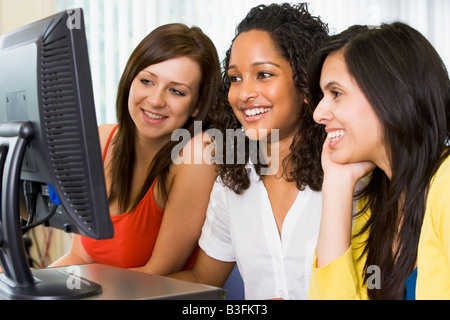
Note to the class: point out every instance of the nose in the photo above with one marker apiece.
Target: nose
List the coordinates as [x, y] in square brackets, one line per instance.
[156, 98]
[247, 90]
[322, 113]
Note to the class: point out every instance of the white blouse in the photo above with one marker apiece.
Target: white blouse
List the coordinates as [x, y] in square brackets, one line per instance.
[242, 229]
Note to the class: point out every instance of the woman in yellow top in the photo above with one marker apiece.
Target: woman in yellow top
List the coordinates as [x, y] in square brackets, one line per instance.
[383, 96]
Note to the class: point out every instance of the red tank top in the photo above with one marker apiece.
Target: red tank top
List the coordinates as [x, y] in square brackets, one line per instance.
[135, 234]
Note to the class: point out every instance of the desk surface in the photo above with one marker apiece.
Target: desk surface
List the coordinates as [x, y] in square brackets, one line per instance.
[120, 284]
[116, 284]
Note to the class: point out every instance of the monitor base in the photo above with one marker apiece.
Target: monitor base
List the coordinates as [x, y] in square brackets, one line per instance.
[50, 285]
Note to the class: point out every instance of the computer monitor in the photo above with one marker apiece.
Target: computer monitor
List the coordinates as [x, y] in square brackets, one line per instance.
[50, 152]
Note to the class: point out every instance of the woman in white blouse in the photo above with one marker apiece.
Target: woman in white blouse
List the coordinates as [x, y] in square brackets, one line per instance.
[264, 212]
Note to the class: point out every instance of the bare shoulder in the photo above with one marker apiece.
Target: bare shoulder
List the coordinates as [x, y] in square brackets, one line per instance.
[104, 131]
[198, 151]
[193, 163]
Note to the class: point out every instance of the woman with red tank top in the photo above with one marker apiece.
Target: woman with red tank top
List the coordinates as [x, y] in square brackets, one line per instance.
[157, 203]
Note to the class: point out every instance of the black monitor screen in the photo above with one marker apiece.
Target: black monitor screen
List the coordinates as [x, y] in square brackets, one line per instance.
[46, 92]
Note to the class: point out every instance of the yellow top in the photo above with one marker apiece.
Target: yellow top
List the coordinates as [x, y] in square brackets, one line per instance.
[343, 277]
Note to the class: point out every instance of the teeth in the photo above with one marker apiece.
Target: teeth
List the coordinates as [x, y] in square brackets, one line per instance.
[256, 111]
[153, 116]
[334, 135]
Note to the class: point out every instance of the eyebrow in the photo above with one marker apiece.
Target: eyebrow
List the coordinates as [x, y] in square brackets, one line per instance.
[171, 82]
[256, 64]
[331, 84]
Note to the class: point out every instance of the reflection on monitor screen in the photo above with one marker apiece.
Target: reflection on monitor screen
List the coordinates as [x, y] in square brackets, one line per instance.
[49, 150]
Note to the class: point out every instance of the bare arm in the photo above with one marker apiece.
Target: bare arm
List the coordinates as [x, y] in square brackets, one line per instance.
[338, 189]
[207, 271]
[184, 216]
[77, 255]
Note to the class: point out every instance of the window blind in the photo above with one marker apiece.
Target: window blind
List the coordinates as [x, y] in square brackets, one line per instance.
[115, 27]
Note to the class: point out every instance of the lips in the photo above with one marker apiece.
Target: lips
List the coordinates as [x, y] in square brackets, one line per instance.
[255, 113]
[154, 116]
[335, 136]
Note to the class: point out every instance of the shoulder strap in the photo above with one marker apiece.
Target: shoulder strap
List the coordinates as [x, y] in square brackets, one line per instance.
[108, 142]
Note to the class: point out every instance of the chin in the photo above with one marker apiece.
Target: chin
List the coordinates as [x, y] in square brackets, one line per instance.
[256, 134]
[340, 159]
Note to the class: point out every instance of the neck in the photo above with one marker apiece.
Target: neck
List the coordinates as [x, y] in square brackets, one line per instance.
[275, 151]
[146, 149]
[386, 167]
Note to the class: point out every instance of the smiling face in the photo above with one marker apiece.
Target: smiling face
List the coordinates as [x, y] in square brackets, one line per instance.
[262, 92]
[350, 121]
[163, 96]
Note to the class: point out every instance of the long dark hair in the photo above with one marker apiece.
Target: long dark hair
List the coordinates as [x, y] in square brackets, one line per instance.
[164, 43]
[407, 85]
[297, 35]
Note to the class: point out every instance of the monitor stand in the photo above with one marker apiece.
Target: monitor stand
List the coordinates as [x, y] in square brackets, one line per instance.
[18, 281]
[50, 285]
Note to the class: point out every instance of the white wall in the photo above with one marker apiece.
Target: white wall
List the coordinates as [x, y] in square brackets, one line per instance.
[17, 13]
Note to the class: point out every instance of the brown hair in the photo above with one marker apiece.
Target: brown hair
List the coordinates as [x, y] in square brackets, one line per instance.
[166, 42]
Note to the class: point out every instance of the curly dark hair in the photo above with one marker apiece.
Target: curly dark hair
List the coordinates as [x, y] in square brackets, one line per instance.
[297, 35]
